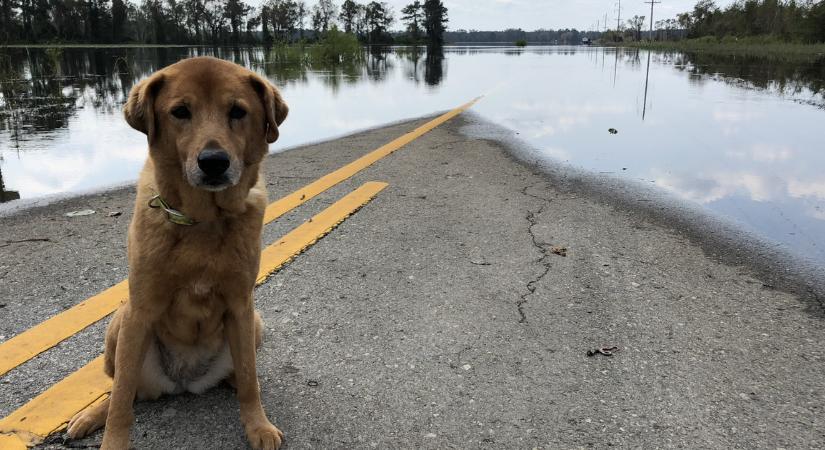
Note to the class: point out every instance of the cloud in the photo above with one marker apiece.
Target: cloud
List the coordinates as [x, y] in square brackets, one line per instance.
[734, 116]
[800, 189]
[708, 188]
[764, 153]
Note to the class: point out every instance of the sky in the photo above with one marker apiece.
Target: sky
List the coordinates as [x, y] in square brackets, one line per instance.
[534, 14]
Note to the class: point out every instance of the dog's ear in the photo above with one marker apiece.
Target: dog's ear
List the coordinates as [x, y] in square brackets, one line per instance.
[274, 105]
[139, 109]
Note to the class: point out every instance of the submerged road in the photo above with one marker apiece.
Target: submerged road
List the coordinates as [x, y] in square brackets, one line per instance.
[456, 308]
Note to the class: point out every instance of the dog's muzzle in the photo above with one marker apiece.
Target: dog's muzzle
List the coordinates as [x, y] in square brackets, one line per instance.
[215, 171]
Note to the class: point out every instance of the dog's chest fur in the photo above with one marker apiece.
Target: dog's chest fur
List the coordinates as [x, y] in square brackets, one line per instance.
[190, 334]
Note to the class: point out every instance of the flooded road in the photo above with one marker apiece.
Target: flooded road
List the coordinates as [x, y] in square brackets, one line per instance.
[742, 138]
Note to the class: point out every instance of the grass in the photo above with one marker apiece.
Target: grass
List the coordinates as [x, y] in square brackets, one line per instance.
[335, 47]
[767, 47]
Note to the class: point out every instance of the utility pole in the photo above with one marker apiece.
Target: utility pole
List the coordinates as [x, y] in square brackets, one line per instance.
[652, 2]
[619, 18]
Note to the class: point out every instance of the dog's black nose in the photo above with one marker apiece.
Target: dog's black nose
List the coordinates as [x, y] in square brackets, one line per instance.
[213, 162]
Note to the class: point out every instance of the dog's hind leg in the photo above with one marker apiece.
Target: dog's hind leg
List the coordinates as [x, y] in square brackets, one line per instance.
[153, 383]
[92, 418]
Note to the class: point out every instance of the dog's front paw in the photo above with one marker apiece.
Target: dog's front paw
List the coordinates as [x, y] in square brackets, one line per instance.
[84, 423]
[264, 436]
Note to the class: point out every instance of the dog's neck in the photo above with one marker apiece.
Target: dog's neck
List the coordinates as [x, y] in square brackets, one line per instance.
[201, 205]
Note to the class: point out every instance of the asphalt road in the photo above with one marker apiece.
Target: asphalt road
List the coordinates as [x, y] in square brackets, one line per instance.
[440, 316]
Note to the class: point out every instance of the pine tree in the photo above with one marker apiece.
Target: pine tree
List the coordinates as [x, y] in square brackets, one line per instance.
[435, 21]
[349, 14]
[411, 15]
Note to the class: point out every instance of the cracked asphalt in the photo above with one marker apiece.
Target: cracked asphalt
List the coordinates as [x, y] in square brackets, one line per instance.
[438, 316]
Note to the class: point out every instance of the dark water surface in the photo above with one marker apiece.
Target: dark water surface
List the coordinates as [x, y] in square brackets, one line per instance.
[741, 137]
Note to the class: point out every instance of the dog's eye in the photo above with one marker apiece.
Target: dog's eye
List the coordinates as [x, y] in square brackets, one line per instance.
[182, 112]
[237, 112]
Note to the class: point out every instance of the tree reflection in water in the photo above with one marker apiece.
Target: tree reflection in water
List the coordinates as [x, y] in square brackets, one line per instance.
[42, 90]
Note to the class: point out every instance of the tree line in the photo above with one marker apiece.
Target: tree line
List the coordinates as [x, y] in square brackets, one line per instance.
[789, 20]
[563, 36]
[214, 22]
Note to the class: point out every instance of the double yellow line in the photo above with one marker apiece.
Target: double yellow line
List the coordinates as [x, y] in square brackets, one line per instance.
[49, 411]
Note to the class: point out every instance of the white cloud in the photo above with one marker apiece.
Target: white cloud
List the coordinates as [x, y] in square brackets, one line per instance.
[707, 188]
[763, 153]
[801, 189]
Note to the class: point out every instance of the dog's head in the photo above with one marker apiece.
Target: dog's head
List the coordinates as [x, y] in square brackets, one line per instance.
[209, 117]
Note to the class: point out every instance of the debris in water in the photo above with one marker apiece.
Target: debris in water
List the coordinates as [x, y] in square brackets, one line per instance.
[612, 131]
[606, 351]
[82, 212]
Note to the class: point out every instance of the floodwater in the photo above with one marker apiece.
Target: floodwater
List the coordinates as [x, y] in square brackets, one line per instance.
[743, 138]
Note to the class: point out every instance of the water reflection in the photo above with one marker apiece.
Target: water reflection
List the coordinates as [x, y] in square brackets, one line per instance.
[647, 84]
[41, 89]
[736, 135]
[5, 195]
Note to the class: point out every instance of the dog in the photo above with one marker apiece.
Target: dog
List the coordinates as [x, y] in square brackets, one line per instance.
[193, 246]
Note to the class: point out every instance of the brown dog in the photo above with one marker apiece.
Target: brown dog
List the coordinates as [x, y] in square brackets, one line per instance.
[190, 320]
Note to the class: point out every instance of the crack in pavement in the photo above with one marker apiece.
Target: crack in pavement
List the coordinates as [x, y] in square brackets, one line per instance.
[540, 246]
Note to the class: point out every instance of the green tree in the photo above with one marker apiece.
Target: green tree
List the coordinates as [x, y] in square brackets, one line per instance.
[8, 20]
[264, 17]
[235, 12]
[435, 21]
[378, 17]
[195, 17]
[323, 15]
[215, 20]
[412, 15]
[301, 13]
[348, 16]
[252, 24]
[284, 16]
[118, 20]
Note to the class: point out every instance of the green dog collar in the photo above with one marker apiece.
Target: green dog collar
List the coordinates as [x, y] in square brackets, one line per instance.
[172, 214]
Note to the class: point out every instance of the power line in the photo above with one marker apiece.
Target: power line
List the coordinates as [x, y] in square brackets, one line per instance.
[652, 2]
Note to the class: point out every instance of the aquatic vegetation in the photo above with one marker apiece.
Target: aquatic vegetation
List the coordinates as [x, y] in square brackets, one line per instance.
[335, 47]
[765, 47]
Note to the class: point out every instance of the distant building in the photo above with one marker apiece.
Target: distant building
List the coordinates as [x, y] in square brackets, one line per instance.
[586, 41]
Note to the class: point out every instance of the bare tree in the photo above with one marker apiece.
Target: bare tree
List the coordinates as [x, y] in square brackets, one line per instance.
[636, 23]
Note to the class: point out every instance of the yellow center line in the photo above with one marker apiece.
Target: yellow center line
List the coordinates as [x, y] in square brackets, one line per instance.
[51, 332]
[282, 206]
[50, 411]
